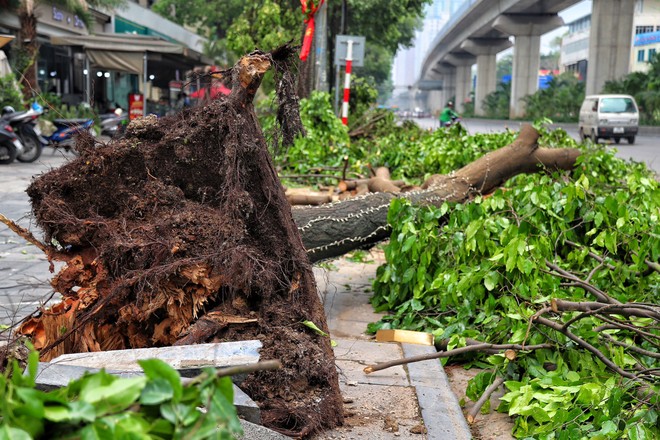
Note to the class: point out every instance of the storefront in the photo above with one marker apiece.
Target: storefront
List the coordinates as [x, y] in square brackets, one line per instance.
[56, 66]
[116, 65]
[118, 57]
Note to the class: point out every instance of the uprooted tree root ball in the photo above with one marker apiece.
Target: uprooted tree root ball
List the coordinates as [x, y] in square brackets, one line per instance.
[181, 233]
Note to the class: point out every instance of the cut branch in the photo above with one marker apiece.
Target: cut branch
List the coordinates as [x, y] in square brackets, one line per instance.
[591, 308]
[484, 346]
[599, 294]
[587, 346]
[634, 348]
[474, 411]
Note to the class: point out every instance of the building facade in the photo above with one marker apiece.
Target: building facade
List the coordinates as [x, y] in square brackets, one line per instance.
[408, 61]
[81, 65]
[645, 42]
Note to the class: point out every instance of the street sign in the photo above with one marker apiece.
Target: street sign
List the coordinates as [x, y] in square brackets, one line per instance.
[341, 47]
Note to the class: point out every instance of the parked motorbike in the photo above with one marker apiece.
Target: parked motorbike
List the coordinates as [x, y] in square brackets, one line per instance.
[10, 145]
[65, 130]
[24, 125]
[111, 123]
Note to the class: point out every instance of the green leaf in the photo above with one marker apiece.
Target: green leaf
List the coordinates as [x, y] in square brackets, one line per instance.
[156, 391]
[114, 397]
[313, 326]
[155, 369]
[491, 280]
[11, 433]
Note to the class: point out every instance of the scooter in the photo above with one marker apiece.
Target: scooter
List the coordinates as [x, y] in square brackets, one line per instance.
[65, 130]
[455, 120]
[10, 145]
[25, 126]
[111, 122]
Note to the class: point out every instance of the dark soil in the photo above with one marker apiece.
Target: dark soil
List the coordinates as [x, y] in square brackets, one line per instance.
[180, 233]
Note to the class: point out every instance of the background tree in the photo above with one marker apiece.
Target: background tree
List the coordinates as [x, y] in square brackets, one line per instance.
[645, 87]
[504, 67]
[28, 45]
[560, 101]
[496, 104]
[235, 27]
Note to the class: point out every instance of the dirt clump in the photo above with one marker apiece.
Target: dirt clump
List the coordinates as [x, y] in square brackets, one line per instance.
[180, 233]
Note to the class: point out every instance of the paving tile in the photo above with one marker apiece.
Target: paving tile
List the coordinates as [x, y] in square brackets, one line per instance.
[370, 352]
[349, 329]
[351, 372]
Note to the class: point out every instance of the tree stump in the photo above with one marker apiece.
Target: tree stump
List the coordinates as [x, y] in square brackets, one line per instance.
[181, 233]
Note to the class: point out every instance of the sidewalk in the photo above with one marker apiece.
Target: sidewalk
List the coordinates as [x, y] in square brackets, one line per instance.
[403, 402]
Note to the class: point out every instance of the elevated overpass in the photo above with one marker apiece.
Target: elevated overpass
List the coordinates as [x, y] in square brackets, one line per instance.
[482, 28]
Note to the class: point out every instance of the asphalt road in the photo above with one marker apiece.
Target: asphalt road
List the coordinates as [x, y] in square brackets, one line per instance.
[646, 148]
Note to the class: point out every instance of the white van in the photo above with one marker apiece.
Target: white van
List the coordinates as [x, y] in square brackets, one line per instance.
[609, 117]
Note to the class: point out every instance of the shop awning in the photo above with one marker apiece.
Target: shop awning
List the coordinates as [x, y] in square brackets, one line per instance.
[124, 52]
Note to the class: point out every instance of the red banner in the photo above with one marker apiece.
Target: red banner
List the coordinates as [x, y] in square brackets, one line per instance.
[309, 9]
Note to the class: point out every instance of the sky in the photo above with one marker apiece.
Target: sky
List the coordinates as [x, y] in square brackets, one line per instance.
[573, 13]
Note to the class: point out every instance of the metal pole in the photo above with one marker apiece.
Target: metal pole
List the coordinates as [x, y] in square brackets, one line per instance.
[144, 82]
[88, 82]
[347, 83]
[321, 82]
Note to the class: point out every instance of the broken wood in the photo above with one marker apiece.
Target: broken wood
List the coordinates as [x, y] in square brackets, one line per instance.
[308, 199]
[474, 411]
[380, 184]
[484, 346]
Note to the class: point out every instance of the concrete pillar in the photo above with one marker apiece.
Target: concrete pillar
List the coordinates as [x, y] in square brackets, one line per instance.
[485, 50]
[447, 74]
[448, 87]
[433, 100]
[609, 42]
[463, 78]
[527, 30]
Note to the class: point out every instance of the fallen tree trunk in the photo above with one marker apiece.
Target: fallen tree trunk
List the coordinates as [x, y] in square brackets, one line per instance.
[332, 230]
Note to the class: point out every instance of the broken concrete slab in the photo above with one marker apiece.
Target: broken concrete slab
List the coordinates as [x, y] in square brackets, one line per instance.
[51, 376]
[188, 359]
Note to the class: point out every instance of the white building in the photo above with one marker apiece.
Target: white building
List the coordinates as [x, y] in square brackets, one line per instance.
[408, 61]
[645, 42]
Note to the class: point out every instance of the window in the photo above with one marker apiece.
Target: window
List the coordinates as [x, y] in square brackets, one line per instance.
[644, 29]
[651, 54]
[640, 55]
[617, 105]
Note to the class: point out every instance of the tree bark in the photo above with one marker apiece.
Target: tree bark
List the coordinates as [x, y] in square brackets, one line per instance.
[29, 46]
[332, 230]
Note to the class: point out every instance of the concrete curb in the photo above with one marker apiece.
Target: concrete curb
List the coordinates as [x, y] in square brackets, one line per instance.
[440, 409]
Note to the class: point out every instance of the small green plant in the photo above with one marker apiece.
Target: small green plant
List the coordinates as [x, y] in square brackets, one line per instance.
[359, 256]
[102, 406]
[10, 93]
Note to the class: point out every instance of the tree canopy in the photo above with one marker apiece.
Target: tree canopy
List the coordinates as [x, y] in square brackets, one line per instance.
[235, 27]
[644, 86]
